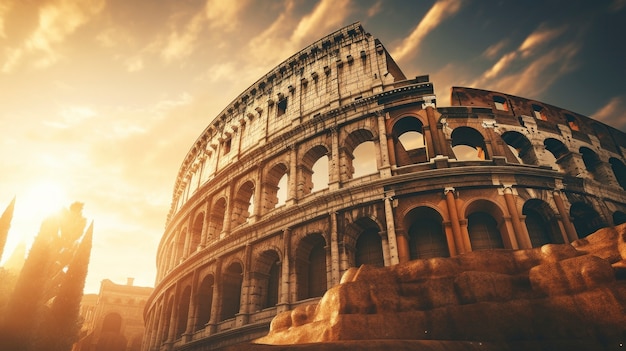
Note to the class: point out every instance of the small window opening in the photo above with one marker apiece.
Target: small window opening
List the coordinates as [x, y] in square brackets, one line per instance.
[282, 107]
[539, 113]
[227, 145]
[500, 103]
[571, 122]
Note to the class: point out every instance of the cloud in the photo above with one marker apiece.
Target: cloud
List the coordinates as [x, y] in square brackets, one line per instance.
[492, 51]
[441, 10]
[613, 113]
[529, 69]
[617, 5]
[328, 14]
[56, 21]
[375, 9]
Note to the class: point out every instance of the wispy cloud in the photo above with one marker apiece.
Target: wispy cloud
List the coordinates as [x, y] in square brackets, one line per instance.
[56, 20]
[375, 9]
[617, 5]
[441, 10]
[533, 66]
[614, 112]
[494, 50]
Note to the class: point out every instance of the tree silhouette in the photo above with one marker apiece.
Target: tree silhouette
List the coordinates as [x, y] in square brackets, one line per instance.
[5, 224]
[43, 310]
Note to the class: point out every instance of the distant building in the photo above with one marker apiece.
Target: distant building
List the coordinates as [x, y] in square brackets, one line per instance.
[113, 319]
[253, 229]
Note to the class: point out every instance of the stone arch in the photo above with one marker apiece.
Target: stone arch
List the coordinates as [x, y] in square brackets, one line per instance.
[586, 219]
[558, 151]
[363, 240]
[619, 170]
[204, 301]
[311, 266]
[169, 310]
[541, 223]
[196, 232]
[521, 147]
[316, 157]
[216, 219]
[592, 163]
[180, 244]
[232, 280]
[426, 235]
[355, 164]
[485, 232]
[408, 141]
[468, 144]
[619, 217]
[112, 322]
[111, 338]
[275, 187]
[183, 311]
[243, 202]
[266, 273]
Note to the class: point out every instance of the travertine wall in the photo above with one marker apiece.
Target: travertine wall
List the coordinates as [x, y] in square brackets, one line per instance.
[446, 181]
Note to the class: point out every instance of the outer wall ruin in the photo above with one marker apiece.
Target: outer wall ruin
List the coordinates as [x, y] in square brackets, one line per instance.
[254, 231]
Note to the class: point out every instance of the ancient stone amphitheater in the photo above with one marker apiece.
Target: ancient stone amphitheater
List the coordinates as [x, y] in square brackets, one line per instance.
[335, 159]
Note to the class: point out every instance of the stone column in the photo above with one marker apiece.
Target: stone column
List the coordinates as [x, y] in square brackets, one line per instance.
[403, 245]
[457, 234]
[385, 168]
[521, 235]
[258, 188]
[435, 133]
[205, 225]
[284, 301]
[216, 302]
[293, 175]
[171, 333]
[391, 231]
[385, 244]
[228, 213]
[333, 168]
[572, 235]
[447, 227]
[192, 311]
[335, 274]
[246, 289]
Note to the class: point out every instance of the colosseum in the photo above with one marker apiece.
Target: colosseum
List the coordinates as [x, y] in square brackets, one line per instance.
[335, 159]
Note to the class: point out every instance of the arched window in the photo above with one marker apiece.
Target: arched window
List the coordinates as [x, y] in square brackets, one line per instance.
[409, 144]
[521, 147]
[369, 249]
[359, 155]
[557, 150]
[205, 302]
[571, 122]
[586, 219]
[232, 279]
[483, 232]
[426, 235]
[619, 170]
[216, 219]
[183, 311]
[168, 317]
[267, 279]
[243, 203]
[500, 103]
[539, 113]
[180, 244]
[275, 186]
[468, 144]
[314, 171]
[196, 233]
[112, 323]
[592, 164]
[311, 266]
[541, 223]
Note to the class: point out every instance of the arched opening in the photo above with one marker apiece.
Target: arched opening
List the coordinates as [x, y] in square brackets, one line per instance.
[216, 219]
[592, 163]
[180, 244]
[468, 144]
[483, 232]
[557, 150]
[311, 267]
[243, 203]
[521, 147]
[267, 276]
[196, 233]
[541, 223]
[409, 145]
[586, 219]
[205, 302]
[183, 312]
[619, 170]
[168, 317]
[619, 217]
[359, 155]
[500, 103]
[314, 171]
[275, 187]
[369, 248]
[232, 279]
[427, 238]
[111, 338]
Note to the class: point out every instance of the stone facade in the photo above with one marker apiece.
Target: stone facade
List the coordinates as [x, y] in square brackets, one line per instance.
[253, 231]
[113, 319]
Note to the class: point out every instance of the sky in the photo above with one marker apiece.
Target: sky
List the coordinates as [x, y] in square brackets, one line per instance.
[100, 100]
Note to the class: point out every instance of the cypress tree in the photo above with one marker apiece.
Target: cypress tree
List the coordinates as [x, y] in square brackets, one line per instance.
[5, 225]
[61, 324]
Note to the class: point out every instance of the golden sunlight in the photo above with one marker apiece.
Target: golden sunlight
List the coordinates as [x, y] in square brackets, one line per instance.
[43, 198]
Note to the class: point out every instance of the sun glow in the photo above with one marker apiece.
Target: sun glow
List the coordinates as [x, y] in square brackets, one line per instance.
[42, 199]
